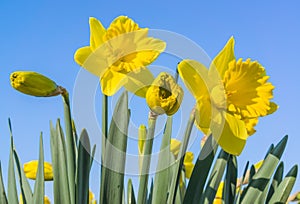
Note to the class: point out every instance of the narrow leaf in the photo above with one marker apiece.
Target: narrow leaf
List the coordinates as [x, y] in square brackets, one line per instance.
[130, 193]
[115, 154]
[284, 189]
[82, 190]
[261, 179]
[162, 176]
[200, 172]
[215, 177]
[3, 198]
[39, 186]
[276, 181]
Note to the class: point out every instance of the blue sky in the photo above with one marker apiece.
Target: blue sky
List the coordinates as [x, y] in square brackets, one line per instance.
[42, 36]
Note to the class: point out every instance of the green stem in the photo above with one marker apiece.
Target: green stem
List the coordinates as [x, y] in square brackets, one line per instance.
[70, 141]
[142, 194]
[174, 185]
[104, 138]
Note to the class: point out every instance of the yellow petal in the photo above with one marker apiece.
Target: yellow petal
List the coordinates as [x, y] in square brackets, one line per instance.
[97, 32]
[188, 165]
[203, 114]
[220, 190]
[94, 62]
[82, 54]
[273, 107]
[194, 76]
[30, 170]
[121, 25]
[175, 147]
[226, 55]
[139, 82]
[230, 133]
[111, 82]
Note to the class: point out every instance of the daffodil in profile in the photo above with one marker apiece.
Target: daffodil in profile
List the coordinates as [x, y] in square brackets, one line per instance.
[33, 83]
[164, 95]
[119, 55]
[30, 170]
[230, 96]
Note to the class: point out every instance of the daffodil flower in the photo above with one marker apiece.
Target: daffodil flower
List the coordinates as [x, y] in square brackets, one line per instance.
[92, 199]
[33, 83]
[30, 170]
[164, 95]
[119, 55]
[188, 158]
[230, 97]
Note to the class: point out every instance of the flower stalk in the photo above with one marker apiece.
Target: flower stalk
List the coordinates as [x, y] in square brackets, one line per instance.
[144, 174]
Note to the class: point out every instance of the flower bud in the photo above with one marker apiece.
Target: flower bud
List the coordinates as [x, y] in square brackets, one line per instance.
[164, 95]
[34, 84]
[30, 170]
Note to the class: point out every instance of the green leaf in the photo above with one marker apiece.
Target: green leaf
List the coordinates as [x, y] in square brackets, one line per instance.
[162, 176]
[84, 148]
[179, 164]
[149, 200]
[3, 198]
[130, 193]
[59, 163]
[276, 181]
[92, 156]
[39, 186]
[55, 164]
[200, 172]
[146, 159]
[215, 177]
[284, 189]
[238, 195]
[261, 179]
[24, 184]
[12, 194]
[230, 180]
[70, 150]
[115, 151]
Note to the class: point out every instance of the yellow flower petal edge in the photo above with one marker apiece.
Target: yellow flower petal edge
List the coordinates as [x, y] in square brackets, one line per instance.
[121, 49]
[30, 170]
[164, 95]
[230, 97]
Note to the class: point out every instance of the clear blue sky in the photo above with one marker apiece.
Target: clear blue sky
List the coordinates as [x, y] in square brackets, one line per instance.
[43, 35]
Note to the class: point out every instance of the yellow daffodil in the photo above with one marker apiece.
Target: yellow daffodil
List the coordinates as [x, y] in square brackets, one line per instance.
[188, 164]
[46, 200]
[119, 55]
[30, 169]
[188, 158]
[92, 199]
[164, 95]
[175, 147]
[230, 97]
[34, 84]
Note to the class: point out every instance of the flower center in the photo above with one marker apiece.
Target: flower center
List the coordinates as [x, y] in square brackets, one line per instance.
[164, 93]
